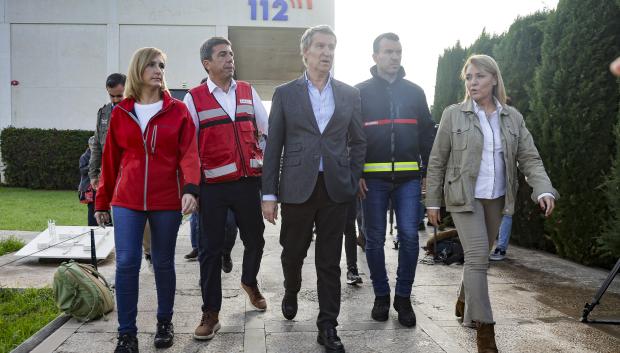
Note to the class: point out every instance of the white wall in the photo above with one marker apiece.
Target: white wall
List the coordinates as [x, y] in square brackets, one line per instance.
[61, 51]
[61, 71]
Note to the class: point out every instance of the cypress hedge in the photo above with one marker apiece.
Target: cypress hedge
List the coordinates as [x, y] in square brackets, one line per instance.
[43, 159]
[574, 111]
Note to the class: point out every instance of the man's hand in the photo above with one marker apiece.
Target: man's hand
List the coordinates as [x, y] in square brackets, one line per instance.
[434, 216]
[188, 204]
[102, 218]
[94, 183]
[361, 192]
[547, 204]
[270, 211]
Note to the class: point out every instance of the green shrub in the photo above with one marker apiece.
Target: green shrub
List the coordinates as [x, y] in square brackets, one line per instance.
[43, 159]
[574, 111]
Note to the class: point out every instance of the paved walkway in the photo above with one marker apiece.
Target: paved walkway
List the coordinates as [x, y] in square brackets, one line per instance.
[537, 299]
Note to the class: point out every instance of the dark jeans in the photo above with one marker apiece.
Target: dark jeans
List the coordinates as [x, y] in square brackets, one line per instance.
[243, 198]
[229, 238]
[295, 238]
[92, 222]
[350, 236]
[128, 233]
[406, 201]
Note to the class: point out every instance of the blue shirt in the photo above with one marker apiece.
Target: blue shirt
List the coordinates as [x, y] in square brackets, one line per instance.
[323, 105]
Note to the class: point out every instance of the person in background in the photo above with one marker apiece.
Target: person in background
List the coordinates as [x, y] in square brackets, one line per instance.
[85, 190]
[149, 171]
[473, 166]
[502, 239]
[350, 244]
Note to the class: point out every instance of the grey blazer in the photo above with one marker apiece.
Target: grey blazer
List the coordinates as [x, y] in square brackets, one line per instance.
[293, 128]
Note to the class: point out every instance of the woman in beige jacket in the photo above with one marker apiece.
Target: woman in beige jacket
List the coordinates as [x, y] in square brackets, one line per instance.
[473, 167]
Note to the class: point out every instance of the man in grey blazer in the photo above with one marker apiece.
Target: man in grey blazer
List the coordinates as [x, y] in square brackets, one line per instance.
[316, 121]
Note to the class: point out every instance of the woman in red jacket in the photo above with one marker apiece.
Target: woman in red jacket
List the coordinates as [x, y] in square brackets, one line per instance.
[150, 171]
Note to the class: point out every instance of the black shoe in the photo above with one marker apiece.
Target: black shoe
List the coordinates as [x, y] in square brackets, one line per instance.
[127, 344]
[421, 226]
[381, 308]
[289, 305]
[353, 276]
[192, 255]
[406, 316]
[164, 336]
[330, 340]
[227, 264]
[147, 257]
[396, 244]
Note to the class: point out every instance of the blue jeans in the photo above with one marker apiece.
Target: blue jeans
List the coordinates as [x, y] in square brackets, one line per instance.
[406, 200]
[194, 230]
[504, 233]
[128, 233]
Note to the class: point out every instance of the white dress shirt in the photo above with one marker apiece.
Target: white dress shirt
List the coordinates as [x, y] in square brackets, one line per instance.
[491, 181]
[323, 105]
[228, 101]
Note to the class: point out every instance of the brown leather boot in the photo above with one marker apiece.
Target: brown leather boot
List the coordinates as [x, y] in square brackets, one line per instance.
[209, 325]
[485, 338]
[459, 309]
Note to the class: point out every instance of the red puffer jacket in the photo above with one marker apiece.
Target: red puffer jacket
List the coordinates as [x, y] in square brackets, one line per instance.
[150, 171]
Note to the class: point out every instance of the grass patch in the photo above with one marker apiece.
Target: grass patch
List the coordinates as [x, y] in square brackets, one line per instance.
[26, 209]
[10, 244]
[23, 313]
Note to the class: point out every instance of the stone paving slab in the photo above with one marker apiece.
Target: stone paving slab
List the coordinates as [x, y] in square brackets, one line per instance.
[537, 299]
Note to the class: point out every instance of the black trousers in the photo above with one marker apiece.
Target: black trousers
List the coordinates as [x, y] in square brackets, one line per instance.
[350, 235]
[295, 238]
[243, 198]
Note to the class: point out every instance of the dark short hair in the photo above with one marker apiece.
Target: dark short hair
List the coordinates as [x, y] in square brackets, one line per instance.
[377, 42]
[206, 49]
[115, 79]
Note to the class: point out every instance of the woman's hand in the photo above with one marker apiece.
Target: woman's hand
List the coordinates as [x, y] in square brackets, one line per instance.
[434, 216]
[189, 204]
[102, 218]
[547, 204]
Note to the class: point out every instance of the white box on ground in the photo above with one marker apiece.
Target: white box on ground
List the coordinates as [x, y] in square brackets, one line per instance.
[73, 243]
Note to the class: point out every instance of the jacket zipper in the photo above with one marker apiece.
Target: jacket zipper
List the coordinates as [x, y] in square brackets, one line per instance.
[178, 184]
[392, 133]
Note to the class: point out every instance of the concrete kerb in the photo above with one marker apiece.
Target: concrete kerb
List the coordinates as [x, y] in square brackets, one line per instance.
[40, 336]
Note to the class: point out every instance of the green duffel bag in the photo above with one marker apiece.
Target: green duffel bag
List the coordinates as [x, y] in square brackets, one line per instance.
[81, 291]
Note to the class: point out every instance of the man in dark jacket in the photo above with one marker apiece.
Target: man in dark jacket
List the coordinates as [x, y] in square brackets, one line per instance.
[399, 134]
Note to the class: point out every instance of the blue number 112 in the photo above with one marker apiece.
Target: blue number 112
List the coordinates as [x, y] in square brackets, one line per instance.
[264, 4]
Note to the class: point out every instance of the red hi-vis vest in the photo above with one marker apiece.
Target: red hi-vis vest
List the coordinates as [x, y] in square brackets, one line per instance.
[228, 149]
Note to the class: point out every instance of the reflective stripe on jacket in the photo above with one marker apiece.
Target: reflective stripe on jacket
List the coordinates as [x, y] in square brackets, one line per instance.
[228, 150]
[399, 130]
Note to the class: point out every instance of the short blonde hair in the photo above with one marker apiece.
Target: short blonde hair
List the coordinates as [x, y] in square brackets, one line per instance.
[140, 60]
[488, 64]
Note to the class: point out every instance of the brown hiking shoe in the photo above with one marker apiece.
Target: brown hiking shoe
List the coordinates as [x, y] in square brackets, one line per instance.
[256, 298]
[209, 325]
[485, 338]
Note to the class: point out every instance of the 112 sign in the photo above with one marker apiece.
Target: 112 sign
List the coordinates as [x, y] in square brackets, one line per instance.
[264, 4]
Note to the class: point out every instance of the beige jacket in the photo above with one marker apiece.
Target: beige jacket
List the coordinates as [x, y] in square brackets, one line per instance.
[457, 151]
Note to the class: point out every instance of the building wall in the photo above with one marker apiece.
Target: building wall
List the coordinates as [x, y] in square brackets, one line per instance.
[60, 51]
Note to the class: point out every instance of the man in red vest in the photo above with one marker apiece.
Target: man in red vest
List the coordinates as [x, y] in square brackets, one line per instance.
[228, 115]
